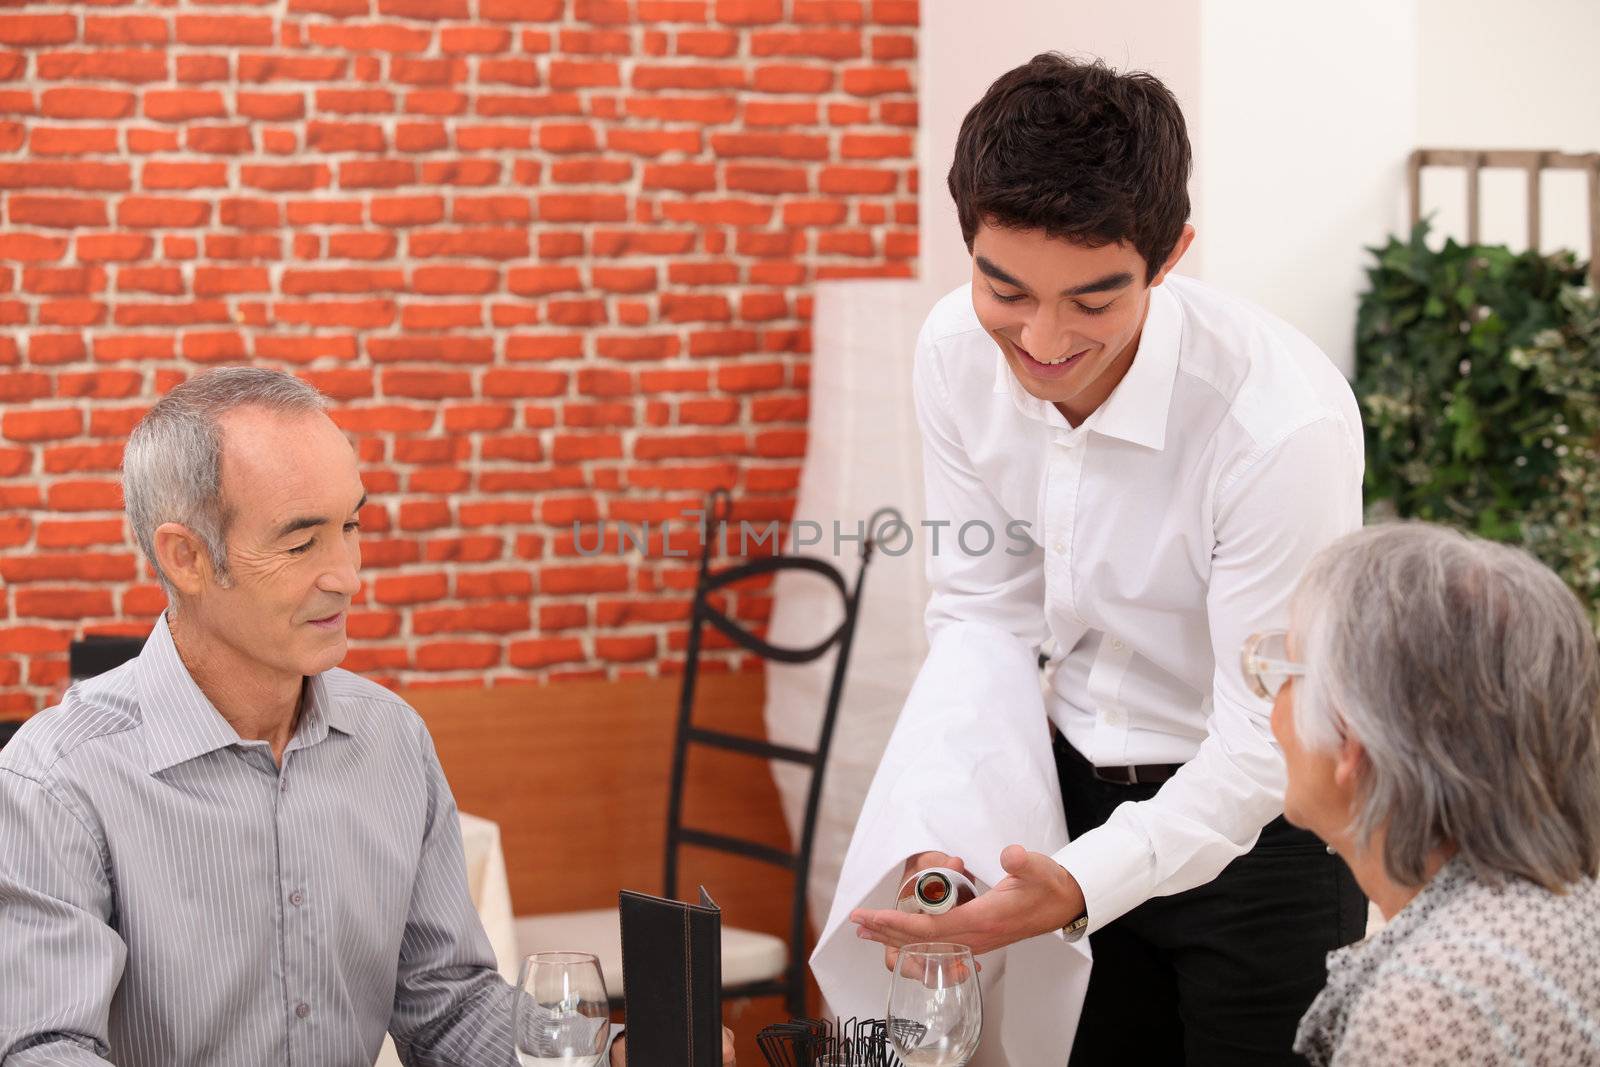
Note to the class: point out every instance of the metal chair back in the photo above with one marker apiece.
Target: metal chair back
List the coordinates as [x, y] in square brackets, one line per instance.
[792, 986]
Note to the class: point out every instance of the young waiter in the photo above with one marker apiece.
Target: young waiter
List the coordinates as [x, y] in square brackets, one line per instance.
[1176, 456]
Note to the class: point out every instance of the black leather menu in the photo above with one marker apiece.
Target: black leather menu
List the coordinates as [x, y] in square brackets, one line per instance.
[672, 980]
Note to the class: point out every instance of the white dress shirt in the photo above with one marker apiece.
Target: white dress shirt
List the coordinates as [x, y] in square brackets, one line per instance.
[1142, 547]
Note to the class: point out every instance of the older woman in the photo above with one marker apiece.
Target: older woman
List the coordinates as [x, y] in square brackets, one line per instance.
[1442, 734]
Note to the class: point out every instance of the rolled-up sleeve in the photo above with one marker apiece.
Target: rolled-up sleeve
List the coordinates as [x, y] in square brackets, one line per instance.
[60, 958]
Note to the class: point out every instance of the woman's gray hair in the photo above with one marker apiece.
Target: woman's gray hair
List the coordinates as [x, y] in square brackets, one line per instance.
[1468, 672]
[172, 465]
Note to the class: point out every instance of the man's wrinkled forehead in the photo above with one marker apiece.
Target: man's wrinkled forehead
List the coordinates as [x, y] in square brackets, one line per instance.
[276, 467]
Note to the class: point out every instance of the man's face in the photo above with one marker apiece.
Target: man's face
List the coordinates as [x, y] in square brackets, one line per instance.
[293, 547]
[1067, 316]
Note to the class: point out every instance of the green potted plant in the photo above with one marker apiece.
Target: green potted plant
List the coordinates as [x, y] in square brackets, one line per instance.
[1478, 374]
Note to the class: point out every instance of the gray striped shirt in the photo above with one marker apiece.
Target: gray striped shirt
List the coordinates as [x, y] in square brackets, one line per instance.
[170, 897]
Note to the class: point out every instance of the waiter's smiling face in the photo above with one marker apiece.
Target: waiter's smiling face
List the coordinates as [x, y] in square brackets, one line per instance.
[1067, 316]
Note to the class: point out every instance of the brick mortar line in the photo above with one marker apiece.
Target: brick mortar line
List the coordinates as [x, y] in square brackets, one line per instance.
[638, 564]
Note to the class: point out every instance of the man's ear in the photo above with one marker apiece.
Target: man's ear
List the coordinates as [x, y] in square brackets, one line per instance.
[183, 558]
[1185, 239]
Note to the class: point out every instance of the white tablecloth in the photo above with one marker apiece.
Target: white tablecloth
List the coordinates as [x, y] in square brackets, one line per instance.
[491, 895]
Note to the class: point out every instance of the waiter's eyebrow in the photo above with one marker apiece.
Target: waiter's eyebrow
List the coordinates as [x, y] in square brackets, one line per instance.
[1119, 280]
[1116, 280]
[997, 273]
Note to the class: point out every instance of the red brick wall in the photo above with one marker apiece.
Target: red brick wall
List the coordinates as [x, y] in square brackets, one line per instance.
[552, 258]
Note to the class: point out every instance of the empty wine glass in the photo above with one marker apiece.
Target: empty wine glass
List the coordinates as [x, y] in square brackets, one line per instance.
[935, 1011]
[562, 1015]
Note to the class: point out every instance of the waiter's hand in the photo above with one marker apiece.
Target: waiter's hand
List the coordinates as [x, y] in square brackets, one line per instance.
[619, 1052]
[1037, 896]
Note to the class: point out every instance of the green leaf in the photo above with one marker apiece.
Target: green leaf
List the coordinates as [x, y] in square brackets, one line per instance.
[1458, 430]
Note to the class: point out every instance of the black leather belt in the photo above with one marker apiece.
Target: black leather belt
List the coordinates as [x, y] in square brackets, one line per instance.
[1137, 774]
[1142, 774]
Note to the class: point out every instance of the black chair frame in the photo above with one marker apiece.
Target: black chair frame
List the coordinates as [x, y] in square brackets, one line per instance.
[792, 986]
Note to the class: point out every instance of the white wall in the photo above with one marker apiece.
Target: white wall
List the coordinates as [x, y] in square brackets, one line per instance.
[1493, 74]
[1307, 117]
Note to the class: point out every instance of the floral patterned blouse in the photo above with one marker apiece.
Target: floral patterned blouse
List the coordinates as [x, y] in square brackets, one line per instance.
[1467, 973]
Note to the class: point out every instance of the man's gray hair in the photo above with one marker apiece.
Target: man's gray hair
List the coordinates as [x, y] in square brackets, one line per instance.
[172, 466]
[1468, 671]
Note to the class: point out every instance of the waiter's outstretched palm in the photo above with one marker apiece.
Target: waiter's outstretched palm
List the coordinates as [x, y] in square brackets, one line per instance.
[1036, 897]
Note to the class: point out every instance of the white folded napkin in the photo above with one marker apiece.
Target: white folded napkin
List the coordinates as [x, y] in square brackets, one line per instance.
[968, 771]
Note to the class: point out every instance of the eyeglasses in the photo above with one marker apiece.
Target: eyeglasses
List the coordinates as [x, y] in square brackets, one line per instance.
[1266, 664]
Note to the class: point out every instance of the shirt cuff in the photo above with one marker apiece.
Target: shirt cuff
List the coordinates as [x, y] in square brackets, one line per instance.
[1114, 867]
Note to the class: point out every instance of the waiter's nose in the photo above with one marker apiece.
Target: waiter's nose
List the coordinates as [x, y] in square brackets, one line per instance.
[1043, 331]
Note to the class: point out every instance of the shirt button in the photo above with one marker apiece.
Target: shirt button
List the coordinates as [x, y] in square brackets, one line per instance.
[297, 898]
[1060, 548]
[1116, 644]
[301, 1010]
[283, 785]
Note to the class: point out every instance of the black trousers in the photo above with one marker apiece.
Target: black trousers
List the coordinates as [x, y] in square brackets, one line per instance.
[1219, 974]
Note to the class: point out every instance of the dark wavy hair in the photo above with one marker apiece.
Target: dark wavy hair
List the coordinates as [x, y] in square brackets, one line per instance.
[1079, 151]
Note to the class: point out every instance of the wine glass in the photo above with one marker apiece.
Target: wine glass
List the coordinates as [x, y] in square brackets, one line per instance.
[562, 1015]
[935, 1011]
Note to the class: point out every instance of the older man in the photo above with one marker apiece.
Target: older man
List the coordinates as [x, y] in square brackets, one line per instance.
[227, 851]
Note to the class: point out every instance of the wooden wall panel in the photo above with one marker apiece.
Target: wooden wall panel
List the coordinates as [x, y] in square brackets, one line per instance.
[577, 773]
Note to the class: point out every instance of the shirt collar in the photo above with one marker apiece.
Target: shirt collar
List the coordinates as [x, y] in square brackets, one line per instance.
[321, 713]
[182, 722]
[1136, 411]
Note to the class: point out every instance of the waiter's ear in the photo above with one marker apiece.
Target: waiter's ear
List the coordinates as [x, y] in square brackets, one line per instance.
[1185, 239]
